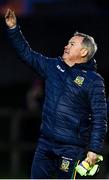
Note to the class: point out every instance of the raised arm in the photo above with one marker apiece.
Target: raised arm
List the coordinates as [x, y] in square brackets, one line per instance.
[30, 57]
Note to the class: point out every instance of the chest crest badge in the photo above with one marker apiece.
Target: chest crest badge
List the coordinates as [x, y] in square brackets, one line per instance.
[79, 80]
[65, 165]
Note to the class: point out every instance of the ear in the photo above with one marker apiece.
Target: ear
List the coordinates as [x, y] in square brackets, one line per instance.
[84, 52]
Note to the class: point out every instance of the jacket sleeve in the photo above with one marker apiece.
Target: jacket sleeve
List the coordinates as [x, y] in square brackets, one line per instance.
[98, 107]
[36, 60]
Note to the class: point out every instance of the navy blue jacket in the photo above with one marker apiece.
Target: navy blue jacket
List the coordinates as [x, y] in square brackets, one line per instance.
[74, 110]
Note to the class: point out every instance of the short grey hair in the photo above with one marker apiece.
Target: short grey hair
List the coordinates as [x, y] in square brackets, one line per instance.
[88, 43]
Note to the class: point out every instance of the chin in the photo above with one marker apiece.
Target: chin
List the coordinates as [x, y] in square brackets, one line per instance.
[64, 56]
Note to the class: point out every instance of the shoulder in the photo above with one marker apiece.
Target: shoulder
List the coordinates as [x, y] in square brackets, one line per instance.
[94, 80]
[94, 76]
[52, 61]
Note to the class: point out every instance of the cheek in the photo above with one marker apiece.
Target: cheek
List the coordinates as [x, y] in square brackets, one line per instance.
[74, 52]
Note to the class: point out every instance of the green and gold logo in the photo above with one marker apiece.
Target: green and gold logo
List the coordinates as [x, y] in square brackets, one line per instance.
[79, 80]
[65, 165]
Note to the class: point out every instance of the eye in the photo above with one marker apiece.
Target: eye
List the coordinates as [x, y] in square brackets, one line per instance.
[71, 43]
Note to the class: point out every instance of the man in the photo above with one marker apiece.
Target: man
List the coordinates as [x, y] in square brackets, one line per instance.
[74, 112]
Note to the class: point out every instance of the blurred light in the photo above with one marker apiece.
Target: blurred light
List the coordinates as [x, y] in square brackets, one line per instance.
[22, 7]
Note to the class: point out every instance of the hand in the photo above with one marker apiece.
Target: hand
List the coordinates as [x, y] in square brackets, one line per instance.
[91, 158]
[10, 18]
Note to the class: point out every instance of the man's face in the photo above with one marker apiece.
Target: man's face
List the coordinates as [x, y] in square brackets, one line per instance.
[72, 50]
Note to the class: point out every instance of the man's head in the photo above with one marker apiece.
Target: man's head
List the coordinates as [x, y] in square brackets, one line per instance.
[80, 48]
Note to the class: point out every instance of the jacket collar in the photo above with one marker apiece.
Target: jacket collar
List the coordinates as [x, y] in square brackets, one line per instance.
[90, 65]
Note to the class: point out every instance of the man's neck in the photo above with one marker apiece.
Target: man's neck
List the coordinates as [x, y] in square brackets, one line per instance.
[69, 63]
[72, 63]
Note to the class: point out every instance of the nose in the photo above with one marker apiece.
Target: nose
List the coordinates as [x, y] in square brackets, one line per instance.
[66, 46]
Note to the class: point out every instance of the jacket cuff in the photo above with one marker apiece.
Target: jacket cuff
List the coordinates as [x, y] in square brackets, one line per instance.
[96, 150]
[13, 30]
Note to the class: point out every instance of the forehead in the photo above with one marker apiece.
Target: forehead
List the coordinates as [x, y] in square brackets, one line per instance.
[76, 39]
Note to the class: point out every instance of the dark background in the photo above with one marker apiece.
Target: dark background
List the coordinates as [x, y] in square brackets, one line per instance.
[47, 26]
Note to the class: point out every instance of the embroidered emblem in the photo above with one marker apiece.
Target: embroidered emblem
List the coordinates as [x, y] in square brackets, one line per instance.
[65, 165]
[79, 80]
